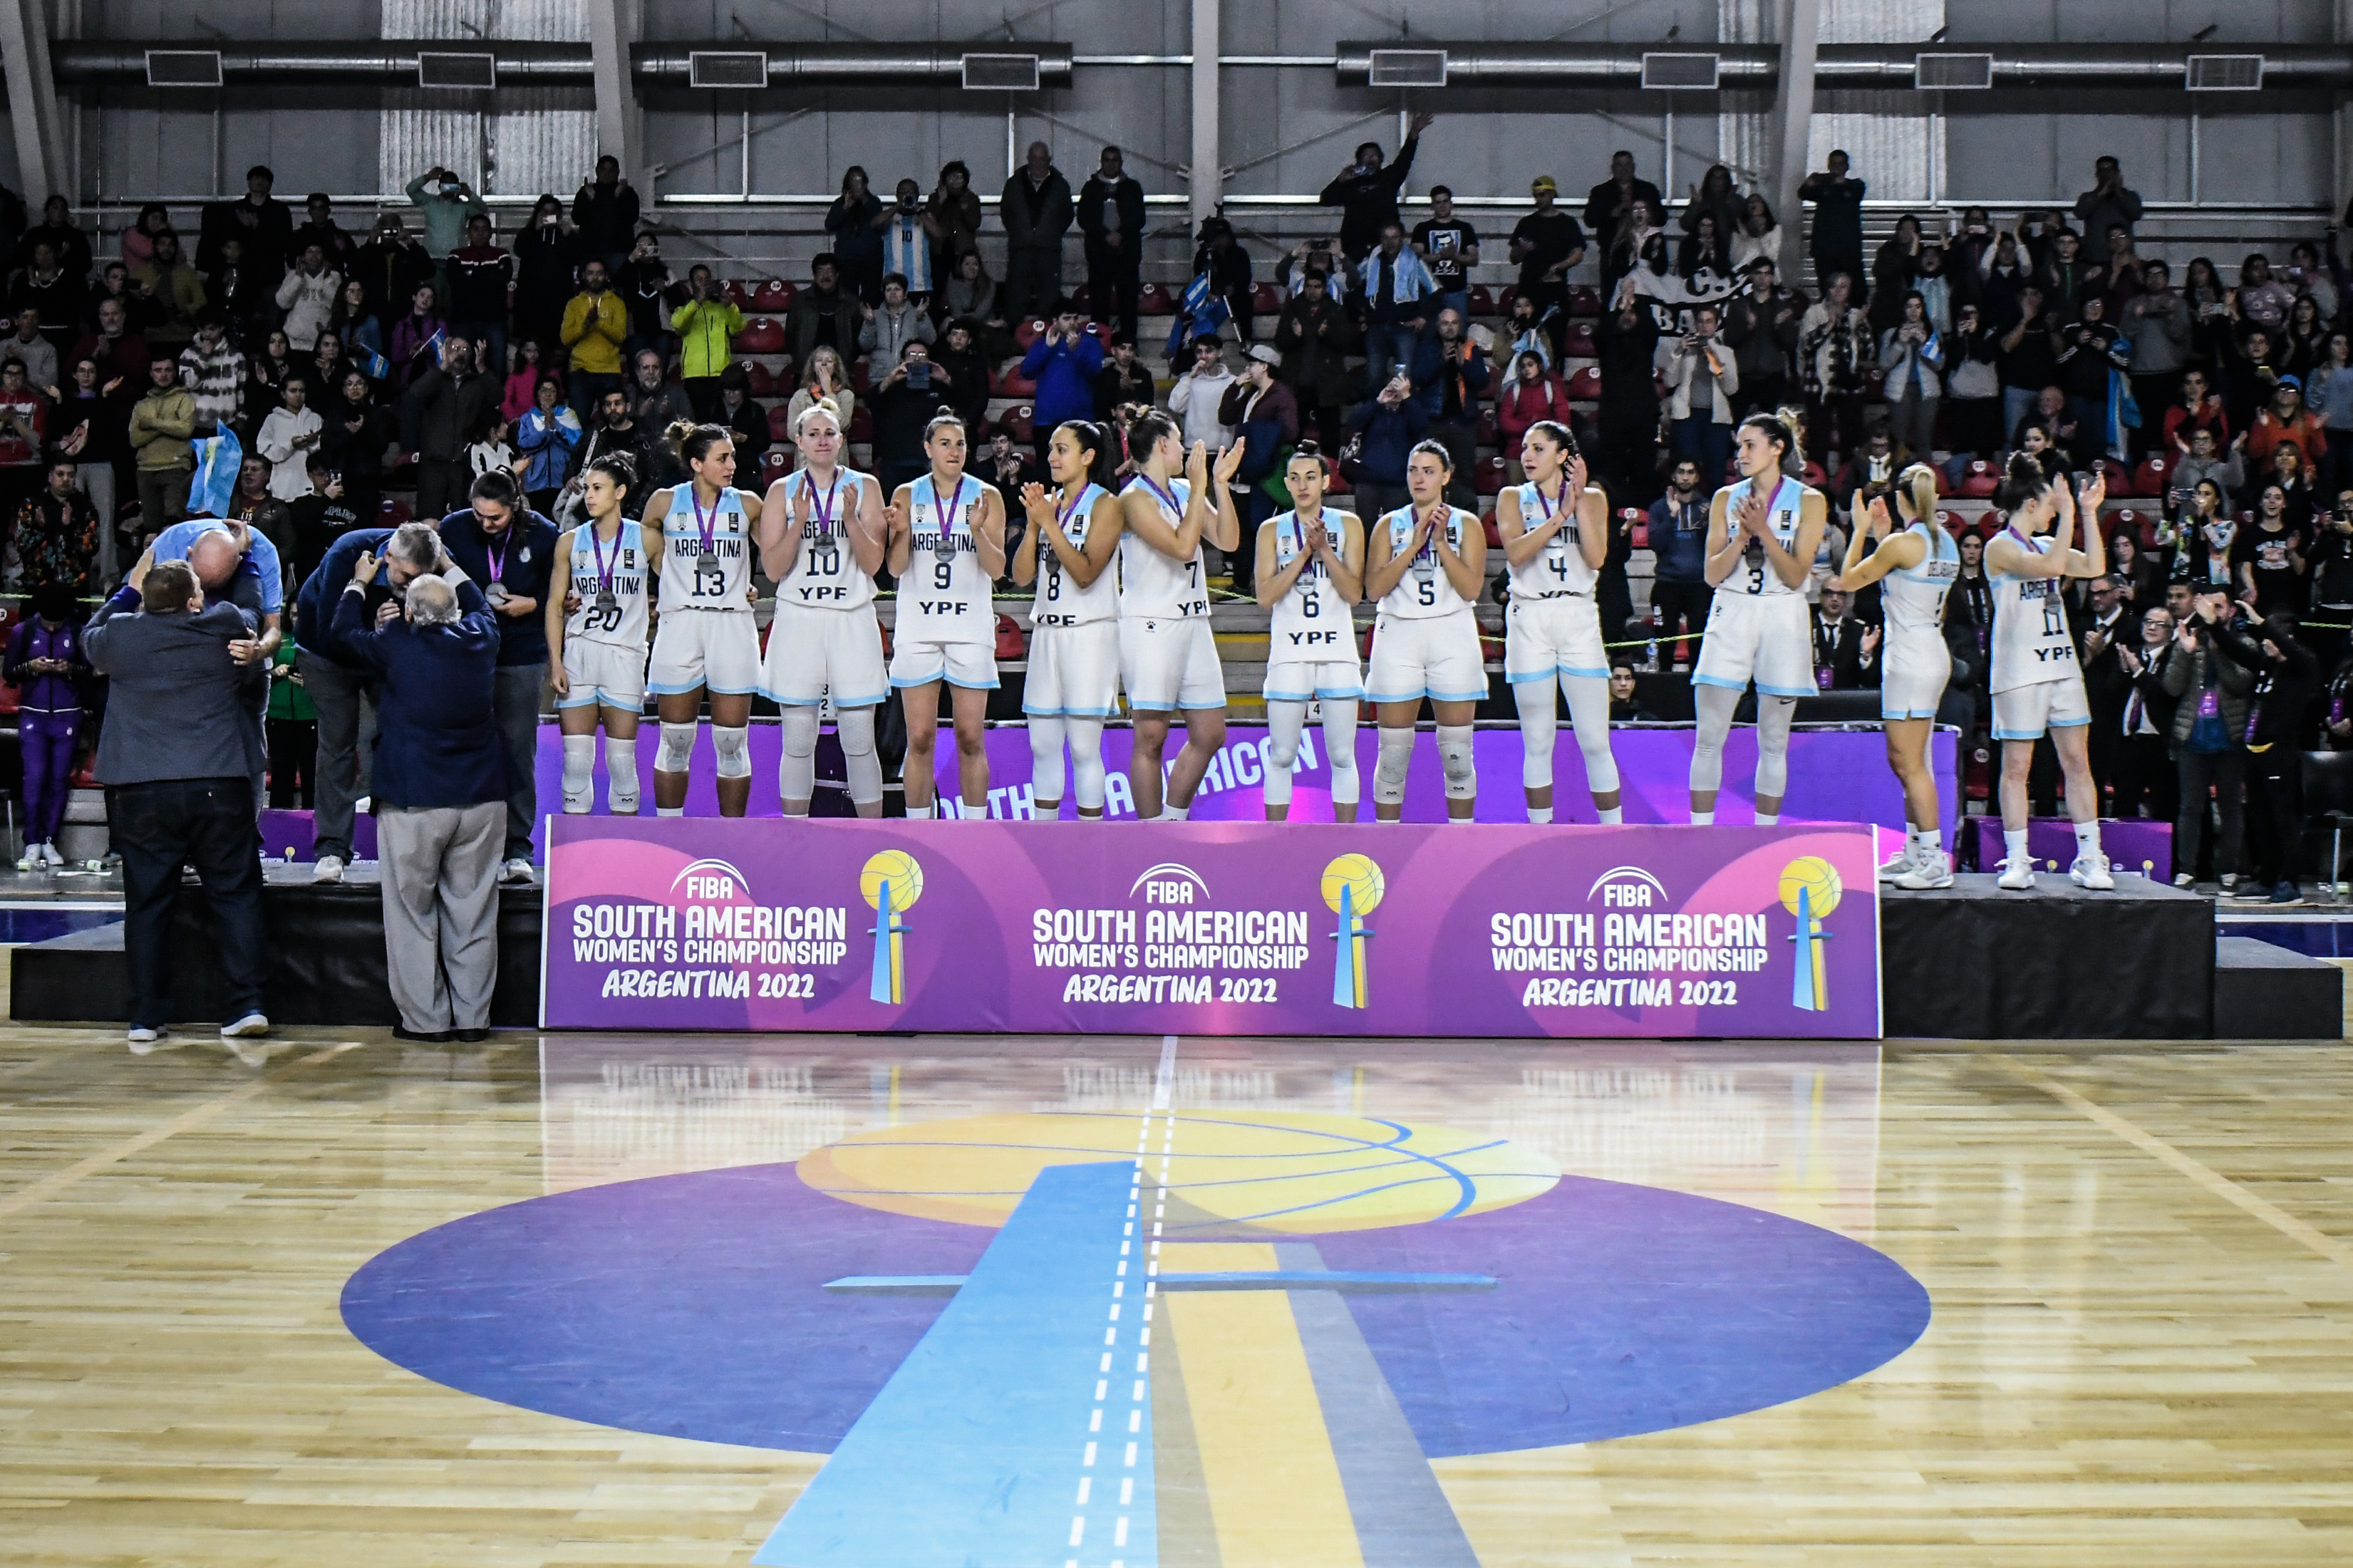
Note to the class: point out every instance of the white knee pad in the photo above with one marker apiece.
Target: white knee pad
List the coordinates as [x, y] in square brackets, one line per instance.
[734, 748]
[1086, 761]
[1454, 755]
[579, 774]
[1284, 723]
[1340, 748]
[1588, 712]
[1714, 705]
[854, 728]
[1046, 774]
[1774, 715]
[1539, 721]
[1388, 773]
[621, 775]
[677, 748]
[797, 768]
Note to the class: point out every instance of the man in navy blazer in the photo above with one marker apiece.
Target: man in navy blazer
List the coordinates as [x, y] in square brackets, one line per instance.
[439, 781]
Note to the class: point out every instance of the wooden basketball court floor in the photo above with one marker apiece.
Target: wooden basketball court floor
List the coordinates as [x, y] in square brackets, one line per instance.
[2137, 1265]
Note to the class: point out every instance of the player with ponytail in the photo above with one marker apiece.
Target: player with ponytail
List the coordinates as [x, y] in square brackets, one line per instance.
[707, 641]
[1555, 534]
[1072, 686]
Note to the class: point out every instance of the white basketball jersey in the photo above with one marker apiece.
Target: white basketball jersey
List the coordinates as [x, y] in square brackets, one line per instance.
[1154, 585]
[713, 574]
[946, 595]
[1560, 570]
[1059, 600]
[1425, 592]
[1755, 575]
[1913, 597]
[826, 574]
[2031, 642]
[1311, 621]
[610, 581]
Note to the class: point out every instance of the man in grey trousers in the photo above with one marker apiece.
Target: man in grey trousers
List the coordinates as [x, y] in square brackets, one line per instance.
[441, 783]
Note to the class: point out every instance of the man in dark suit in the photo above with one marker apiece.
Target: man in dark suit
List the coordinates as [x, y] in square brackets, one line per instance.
[510, 550]
[2106, 686]
[177, 756]
[440, 786]
[1846, 651]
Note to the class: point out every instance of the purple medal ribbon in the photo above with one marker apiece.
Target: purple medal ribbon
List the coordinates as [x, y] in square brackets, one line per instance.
[823, 506]
[597, 554]
[1167, 497]
[708, 530]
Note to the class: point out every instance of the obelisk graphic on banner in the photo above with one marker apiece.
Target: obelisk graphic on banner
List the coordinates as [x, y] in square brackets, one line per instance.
[1353, 886]
[891, 881]
[1811, 890]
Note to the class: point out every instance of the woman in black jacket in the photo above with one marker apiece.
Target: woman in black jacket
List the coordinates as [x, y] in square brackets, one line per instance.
[958, 353]
[2287, 681]
[352, 440]
[545, 256]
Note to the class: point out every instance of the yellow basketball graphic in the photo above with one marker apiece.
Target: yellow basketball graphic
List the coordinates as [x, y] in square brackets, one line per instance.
[902, 870]
[1820, 881]
[1358, 874]
[1232, 1175]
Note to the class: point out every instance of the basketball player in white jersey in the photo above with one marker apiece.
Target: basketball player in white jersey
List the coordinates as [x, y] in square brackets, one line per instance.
[706, 641]
[1425, 564]
[1311, 572]
[1072, 685]
[1555, 534]
[947, 549]
[597, 628]
[2038, 684]
[1916, 566]
[1167, 658]
[821, 541]
[1762, 535]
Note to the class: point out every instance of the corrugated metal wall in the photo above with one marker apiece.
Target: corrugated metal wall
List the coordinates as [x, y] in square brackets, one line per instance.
[531, 140]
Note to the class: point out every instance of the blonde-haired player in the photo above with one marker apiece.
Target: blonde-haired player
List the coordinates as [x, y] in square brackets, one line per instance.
[1555, 534]
[1425, 564]
[821, 541]
[707, 641]
[1916, 566]
[1311, 572]
[596, 629]
[947, 549]
[1762, 534]
[1072, 685]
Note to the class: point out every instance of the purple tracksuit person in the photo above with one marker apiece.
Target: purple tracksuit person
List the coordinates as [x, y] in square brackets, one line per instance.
[45, 664]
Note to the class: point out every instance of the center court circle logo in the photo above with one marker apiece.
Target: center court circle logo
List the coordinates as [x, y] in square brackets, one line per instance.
[958, 1311]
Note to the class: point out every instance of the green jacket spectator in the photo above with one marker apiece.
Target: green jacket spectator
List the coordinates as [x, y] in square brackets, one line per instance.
[446, 206]
[161, 423]
[706, 329]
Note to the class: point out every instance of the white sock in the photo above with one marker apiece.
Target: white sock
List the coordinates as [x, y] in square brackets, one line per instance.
[2013, 845]
[1703, 818]
[1611, 815]
[1769, 819]
[925, 812]
[2087, 837]
[1539, 814]
[1928, 838]
[1175, 812]
[621, 775]
[669, 811]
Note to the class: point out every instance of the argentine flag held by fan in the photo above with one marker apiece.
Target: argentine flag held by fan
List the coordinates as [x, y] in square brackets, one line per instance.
[213, 485]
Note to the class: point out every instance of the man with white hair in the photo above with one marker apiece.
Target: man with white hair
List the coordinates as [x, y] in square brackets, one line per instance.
[441, 784]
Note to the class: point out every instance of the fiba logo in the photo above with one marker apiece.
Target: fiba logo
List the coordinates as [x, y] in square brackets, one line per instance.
[711, 879]
[1810, 889]
[1353, 886]
[890, 882]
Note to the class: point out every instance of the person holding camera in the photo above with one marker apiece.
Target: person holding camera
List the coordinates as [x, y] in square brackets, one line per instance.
[2285, 679]
[2209, 716]
[1702, 377]
[1063, 361]
[887, 330]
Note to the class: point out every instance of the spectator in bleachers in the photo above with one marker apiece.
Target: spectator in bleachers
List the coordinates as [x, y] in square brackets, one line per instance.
[2029, 359]
[706, 322]
[1112, 215]
[2156, 320]
[1639, 252]
[2123, 271]
[1934, 287]
[1626, 346]
[902, 409]
[55, 296]
[444, 409]
[824, 314]
[1449, 246]
[47, 665]
[242, 292]
[1702, 379]
[1200, 392]
[959, 358]
[546, 254]
[2140, 575]
[170, 293]
[56, 230]
[954, 209]
[1005, 468]
[27, 347]
[886, 330]
[162, 423]
[2067, 278]
[1912, 358]
[267, 372]
[415, 346]
[290, 433]
[258, 219]
[595, 324]
[356, 432]
[1395, 288]
[481, 273]
[1972, 405]
[445, 202]
[1704, 255]
[1228, 266]
[1547, 243]
[1680, 594]
[1385, 427]
[1314, 334]
[743, 414]
[1449, 371]
[1314, 254]
[1834, 352]
[137, 243]
[972, 295]
[358, 335]
[316, 520]
[1756, 236]
[1534, 393]
[1035, 209]
[319, 228]
[2109, 200]
[2101, 636]
[1892, 268]
[2302, 341]
[2331, 564]
[122, 353]
[1121, 381]
[2249, 370]
[2285, 420]
[654, 401]
[2329, 392]
[1837, 242]
[1613, 202]
[2306, 276]
[1063, 361]
[853, 226]
[53, 537]
[1760, 325]
[522, 382]
[544, 438]
[614, 430]
[211, 368]
[2144, 781]
[643, 284]
[604, 217]
[508, 551]
[1714, 196]
[2285, 678]
[1846, 650]
[822, 376]
[2260, 298]
[291, 733]
[1366, 192]
[909, 241]
[92, 422]
[2267, 558]
[1265, 418]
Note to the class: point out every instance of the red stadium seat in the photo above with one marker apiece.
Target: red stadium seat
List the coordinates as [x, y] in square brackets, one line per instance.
[1504, 300]
[1152, 300]
[1011, 642]
[1980, 479]
[861, 424]
[1585, 385]
[1577, 341]
[1494, 535]
[859, 375]
[780, 422]
[1265, 300]
[1011, 382]
[1584, 300]
[1020, 423]
[736, 295]
[1814, 477]
[1490, 474]
[2124, 519]
[1489, 434]
[773, 298]
[1082, 297]
[762, 384]
[774, 464]
[1483, 301]
[2120, 476]
[761, 335]
[1334, 481]
[1029, 331]
[391, 512]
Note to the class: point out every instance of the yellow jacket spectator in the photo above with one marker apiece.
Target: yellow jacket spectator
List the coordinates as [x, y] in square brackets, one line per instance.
[595, 324]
